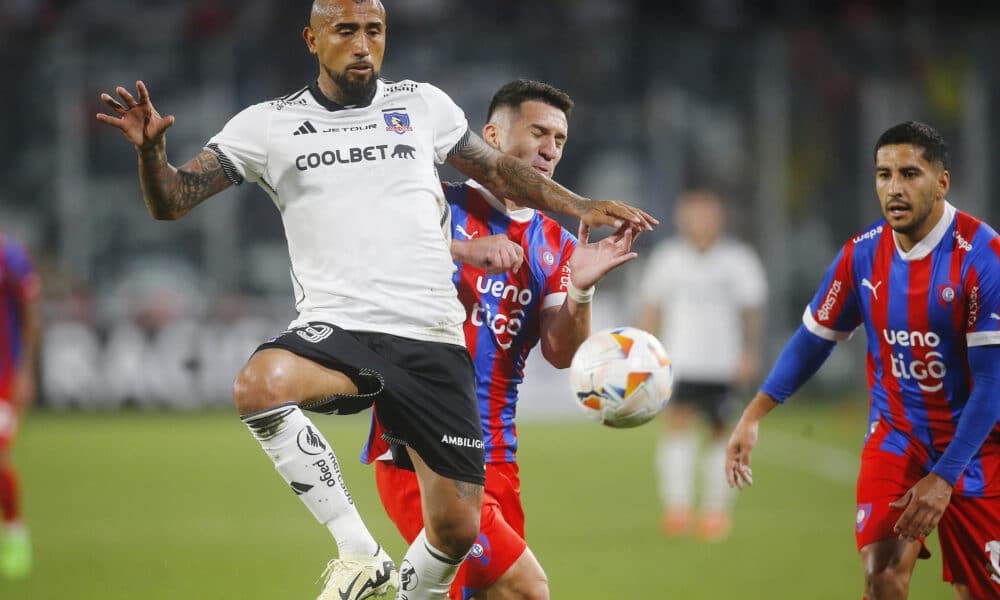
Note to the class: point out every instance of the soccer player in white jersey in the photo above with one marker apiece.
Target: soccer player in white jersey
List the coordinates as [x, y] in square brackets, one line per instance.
[702, 293]
[349, 162]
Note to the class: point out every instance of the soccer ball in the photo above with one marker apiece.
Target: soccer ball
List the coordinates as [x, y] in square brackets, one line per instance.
[621, 377]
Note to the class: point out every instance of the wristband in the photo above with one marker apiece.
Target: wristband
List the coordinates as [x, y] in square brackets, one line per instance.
[580, 296]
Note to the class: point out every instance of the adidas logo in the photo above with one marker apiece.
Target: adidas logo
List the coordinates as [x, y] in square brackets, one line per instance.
[305, 129]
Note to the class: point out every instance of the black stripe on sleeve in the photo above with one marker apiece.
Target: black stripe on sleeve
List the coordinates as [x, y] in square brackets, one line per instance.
[460, 144]
[227, 165]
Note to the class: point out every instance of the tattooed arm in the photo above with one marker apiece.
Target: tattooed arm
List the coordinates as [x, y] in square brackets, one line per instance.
[510, 177]
[169, 192]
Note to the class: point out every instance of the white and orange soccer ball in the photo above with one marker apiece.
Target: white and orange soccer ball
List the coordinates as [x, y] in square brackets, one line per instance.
[621, 377]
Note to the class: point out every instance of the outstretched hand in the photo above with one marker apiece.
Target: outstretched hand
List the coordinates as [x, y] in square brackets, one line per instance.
[924, 504]
[592, 261]
[617, 214]
[136, 119]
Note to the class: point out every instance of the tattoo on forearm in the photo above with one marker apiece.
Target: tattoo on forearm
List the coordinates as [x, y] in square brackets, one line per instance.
[171, 192]
[511, 177]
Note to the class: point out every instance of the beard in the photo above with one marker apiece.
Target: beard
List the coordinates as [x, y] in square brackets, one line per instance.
[354, 90]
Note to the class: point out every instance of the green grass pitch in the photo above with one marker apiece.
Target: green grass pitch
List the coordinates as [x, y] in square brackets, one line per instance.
[186, 506]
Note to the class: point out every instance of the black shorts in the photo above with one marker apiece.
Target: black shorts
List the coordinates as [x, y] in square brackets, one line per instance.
[424, 392]
[714, 400]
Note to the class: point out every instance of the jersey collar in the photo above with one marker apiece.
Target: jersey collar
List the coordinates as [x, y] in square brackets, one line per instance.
[521, 215]
[332, 106]
[924, 247]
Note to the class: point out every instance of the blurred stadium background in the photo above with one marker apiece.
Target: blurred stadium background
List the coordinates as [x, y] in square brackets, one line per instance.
[775, 103]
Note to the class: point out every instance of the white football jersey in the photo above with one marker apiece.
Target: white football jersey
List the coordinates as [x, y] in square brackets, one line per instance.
[701, 296]
[367, 226]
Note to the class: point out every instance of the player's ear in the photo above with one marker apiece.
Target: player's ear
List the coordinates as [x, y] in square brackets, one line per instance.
[944, 182]
[491, 135]
[310, 38]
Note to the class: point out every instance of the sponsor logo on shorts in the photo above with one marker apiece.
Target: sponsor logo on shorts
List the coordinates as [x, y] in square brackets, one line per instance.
[310, 442]
[465, 442]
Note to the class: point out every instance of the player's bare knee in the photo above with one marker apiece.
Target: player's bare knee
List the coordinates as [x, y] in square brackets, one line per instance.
[456, 534]
[258, 388]
[456, 526]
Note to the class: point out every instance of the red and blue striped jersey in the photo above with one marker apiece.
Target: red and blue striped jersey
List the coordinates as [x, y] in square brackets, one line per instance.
[19, 285]
[921, 311]
[503, 312]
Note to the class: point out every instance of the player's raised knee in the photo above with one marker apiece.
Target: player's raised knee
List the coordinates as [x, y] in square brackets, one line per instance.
[260, 385]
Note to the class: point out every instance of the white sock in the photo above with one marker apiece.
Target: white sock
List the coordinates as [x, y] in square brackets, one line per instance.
[308, 465]
[675, 461]
[426, 573]
[716, 494]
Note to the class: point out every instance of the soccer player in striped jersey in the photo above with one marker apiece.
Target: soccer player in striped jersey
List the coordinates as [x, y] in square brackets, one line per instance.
[20, 326]
[924, 281]
[544, 298]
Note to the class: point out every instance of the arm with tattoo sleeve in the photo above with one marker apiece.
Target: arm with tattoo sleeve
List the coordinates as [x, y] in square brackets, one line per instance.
[172, 192]
[509, 177]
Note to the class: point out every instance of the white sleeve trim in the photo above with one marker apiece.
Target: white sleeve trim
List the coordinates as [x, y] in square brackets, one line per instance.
[822, 331]
[554, 300]
[982, 338]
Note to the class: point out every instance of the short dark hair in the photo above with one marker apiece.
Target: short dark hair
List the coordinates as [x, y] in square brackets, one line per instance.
[920, 135]
[516, 92]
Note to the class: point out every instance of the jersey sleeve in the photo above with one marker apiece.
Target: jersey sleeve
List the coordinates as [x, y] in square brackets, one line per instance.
[554, 293]
[242, 144]
[982, 297]
[26, 281]
[447, 119]
[751, 284]
[835, 312]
